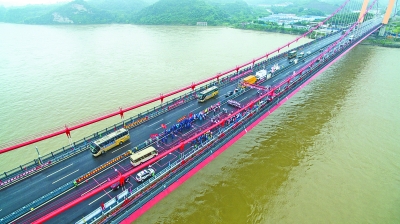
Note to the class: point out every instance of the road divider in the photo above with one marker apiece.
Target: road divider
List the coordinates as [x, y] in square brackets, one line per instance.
[103, 167]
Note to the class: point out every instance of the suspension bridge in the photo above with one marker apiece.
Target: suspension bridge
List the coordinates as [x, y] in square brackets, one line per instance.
[182, 133]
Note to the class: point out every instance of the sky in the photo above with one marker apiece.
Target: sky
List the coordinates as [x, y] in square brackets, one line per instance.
[26, 2]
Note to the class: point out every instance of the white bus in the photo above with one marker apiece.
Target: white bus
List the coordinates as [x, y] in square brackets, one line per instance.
[208, 93]
[143, 155]
[109, 141]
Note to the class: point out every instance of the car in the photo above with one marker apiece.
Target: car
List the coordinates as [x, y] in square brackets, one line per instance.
[145, 174]
[291, 61]
[320, 50]
[301, 55]
[117, 185]
[228, 94]
[308, 53]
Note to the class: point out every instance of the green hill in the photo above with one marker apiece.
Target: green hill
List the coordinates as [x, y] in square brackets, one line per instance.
[76, 12]
[238, 11]
[123, 10]
[178, 12]
[2, 13]
[119, 6]
[162, 12]
[324, 7]
[22, 13]
[304, 7]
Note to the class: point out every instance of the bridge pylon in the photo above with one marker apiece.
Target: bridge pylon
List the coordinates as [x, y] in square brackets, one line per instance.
[363, 10]
[388, 12]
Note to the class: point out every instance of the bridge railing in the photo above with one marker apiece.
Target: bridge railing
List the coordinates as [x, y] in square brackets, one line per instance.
[171, 168]
[81, 145]
[298, 80]
[164, 174]
[30, 168]
[36, 203]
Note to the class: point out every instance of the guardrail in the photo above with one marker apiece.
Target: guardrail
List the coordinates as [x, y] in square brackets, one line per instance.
[36, 203]
[103, 167]
[62, 189]
[122, 199]
[28, 169]
[11, 176]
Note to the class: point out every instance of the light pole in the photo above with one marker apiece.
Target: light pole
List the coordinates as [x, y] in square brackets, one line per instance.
[119, 178]
[115, 169]
[40, 160]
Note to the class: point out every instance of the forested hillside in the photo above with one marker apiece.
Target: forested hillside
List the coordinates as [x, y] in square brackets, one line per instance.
[186, 12]
[119, 6]
[76, 12]
[22, 14]
[162, 12]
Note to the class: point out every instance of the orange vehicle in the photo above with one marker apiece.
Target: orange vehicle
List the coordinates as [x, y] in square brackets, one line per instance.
[251, 79]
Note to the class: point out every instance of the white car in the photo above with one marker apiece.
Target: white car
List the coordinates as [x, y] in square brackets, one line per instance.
[145, 174]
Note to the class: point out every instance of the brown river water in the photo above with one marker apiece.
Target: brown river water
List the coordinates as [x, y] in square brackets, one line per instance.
[331, 154]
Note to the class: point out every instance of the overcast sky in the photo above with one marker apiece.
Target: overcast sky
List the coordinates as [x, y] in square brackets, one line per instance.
[25, 2]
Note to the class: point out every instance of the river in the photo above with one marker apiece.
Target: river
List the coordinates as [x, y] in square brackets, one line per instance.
[330, 155]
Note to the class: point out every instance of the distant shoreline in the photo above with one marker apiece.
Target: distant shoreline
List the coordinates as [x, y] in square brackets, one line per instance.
[381, 43]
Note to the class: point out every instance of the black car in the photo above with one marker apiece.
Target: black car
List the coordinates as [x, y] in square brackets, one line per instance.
[117, 185]
[228, 94]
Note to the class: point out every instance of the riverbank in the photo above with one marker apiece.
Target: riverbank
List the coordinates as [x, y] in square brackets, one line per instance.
[372, 40]
[268, 28]
[381, 42]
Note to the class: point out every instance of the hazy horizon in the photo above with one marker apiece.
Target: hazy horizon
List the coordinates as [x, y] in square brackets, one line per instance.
[29, 2]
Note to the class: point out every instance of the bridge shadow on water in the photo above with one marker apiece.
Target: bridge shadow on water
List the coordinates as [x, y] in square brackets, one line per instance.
[242, 185]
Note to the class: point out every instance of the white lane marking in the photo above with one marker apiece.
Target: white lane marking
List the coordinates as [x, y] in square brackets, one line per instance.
[165, 124]
[60, 170]
[65, 176]
[275, 80]
[94, 187]
[197, 108]
[119, 149]
[242, 99]
[188, 106]
[99, 197]
[155, 123]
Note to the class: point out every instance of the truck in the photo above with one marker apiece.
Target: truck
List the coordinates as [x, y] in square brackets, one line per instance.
[262, 74]
[251, 79]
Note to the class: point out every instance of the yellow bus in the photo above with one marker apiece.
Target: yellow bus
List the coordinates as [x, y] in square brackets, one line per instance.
[143, 155]
[207, 94]
[109, 141]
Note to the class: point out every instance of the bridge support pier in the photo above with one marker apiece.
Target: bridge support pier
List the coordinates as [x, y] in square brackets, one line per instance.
[382, 31]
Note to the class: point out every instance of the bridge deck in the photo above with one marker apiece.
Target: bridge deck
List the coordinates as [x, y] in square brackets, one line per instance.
[49, 179]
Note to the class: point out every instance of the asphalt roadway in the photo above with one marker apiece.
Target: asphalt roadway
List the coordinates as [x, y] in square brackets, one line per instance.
[33, 187]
